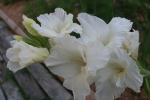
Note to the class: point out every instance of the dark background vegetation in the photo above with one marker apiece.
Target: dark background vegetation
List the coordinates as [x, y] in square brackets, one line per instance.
[137, 11]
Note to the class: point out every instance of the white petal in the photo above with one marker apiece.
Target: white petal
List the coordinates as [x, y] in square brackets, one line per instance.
[68, 21]
[120, 25]
[49, 21]
[12, 54]
[74, 28]
[24, 54]
[60, 13]
[78, 85]
[104, 74]
[45, 31]
[97, 56]
[132, 43]
[61, 68]
[107, 91]
[14, 66]
[30, 55]
[66, 57]
[93, 27]
[134, 79]
[116, 41]
[57, 24]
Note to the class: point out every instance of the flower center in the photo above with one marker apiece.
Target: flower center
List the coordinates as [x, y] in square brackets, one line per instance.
[118, 69]
[80, 61]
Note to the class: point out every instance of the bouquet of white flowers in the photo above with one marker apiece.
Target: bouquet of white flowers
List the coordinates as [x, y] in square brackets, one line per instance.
[104, 55]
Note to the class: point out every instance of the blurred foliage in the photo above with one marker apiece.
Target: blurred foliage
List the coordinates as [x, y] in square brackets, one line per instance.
[102, 8]
[136, 10]
[8, 1]
[34, 8]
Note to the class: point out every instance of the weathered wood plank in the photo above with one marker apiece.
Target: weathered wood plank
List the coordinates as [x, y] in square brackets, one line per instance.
[2, 97]
[2, 73]
[2, 68]
[12, 91]
[29, 85]
[5, 38]
[2, 24]
[11, 23]
[48, 83]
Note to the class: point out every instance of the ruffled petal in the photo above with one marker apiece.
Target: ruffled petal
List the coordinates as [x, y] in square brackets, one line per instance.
[120, 25]
[49, 21]
[60, 13]
[93, 27]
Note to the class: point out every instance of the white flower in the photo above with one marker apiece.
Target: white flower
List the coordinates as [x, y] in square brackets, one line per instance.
[121, 72]
[22, 54]
[122, 26]
[76, 63]
[56, 24]
[131, 44]
[114, 34]
[28, 22]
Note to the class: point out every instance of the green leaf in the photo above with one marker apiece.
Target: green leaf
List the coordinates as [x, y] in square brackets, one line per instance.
[147, 86]
[37, 41]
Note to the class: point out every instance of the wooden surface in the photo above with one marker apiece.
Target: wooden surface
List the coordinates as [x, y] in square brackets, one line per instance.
[32, 83]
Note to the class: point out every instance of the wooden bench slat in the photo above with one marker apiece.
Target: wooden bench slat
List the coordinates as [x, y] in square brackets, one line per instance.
[2, 97]
[12, 91]
[29, 86]
[48, 83]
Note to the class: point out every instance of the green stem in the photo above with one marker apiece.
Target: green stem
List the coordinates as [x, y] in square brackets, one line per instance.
[145, 72]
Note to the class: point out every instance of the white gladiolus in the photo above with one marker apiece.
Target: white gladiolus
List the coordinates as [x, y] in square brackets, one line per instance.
[104, 55]
[22, 54]
[121, 72]
[76, 63]
[114, 34]
[56, 24]
[122, 26]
